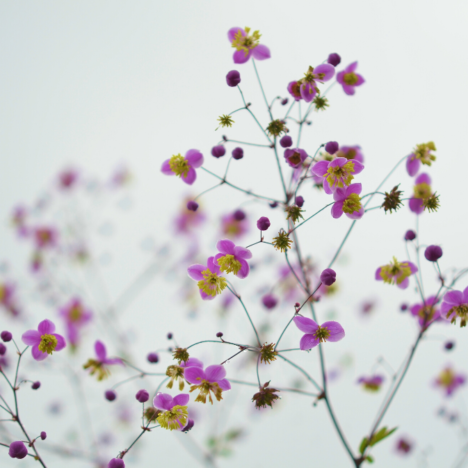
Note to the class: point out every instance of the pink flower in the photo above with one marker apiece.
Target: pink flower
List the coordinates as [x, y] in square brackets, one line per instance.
[175, 414]
[349, 79]
[212, 379]
[396, 273]
[295, 156]
[422, 191]
[232, 258]
[307, 88]
[455, 305]
[209, 279]
[426, 312]
[67, 179]
[76, 316]
[234, 225]
[315, 334]
[100, 365]
[372, 384]
[43, 340]
[247, 45]
[449, 381]
[45, 237]
[347, 200]
[183, 167]
[337, 173]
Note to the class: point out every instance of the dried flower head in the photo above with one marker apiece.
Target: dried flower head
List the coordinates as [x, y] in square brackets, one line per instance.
[276, 128]
[175, 373]
[282, 242]
[392, 201]
[321, 103]
[423, 152]
[265, 396]
[152, 413]
[431, 203]
[268, 353]
[294, 213]
[181, 354]
[225, 121]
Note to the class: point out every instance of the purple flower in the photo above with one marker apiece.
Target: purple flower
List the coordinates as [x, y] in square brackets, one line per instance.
[334, 59]
[43, 340]
[332, 147]
[351, 153]
[455, 305]
[247, 45]
[315, 334]
[209, 279]
[269, 301]
[218, 151]
[306, 88]
[349, 79]
[328, 277]
[372, 383]
[17, 450]
[449, 381]
[232, 258]
[36, 385]
[174, 414]
[116, 463]
[300, 201]
[396, 273]
[422, 191]
[237, 153]
[404, 446]
[183, 167]
[101, 363]
[3, 349]
[233, 78]
[232, 226]
[410, 235]
[43, 435]
[76, 316]
[337, 173]
[286, 141]
[295, 157]
[153, 358]
[347, 201]
[142, 396]
[433, 253]
[263, 223]
[45, 237]
[212, 379]
[6, 336]
[426, 312]
[422, 154]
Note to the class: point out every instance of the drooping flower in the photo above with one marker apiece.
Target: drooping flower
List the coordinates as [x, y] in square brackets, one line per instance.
[209, 279]
[176, 372]
[421, 154]
[232, 258]
[337, 173]
[396, 273]
[234, 225]
[265, 396]
[348, 79]
[212, 379]
[307, 88]
[449, 381]
[247, 45]
[422, 192]
[454, 306]
[43, 340]
[426, 312]
[372, 383]
[76, 316]
[183, 167]
[348, 201]
[295, 156]
[351, 152]
[174, 415]
[45, 237]
[315, 334]
[101, 363]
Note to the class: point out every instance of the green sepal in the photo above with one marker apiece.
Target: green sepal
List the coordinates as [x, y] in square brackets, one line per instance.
[369, 459]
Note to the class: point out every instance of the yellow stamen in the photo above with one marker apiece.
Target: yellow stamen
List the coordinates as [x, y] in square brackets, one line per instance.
[179, 165]
[48, 344]
[212, 284]
[229, 264]
[175, 418]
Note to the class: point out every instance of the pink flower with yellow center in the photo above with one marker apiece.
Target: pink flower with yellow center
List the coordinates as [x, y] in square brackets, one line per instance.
[76, 316]
[247, 45]
[307, 88]
[315, 334]
[183, 166]
[210, 380]
[396, 273]
[43, 340]
[348, 201]
[232, 258]
[422, 191]
[337, 173]
[426, 312]
[209, 279]
[449, 381]
[349, 79]
[454, 306]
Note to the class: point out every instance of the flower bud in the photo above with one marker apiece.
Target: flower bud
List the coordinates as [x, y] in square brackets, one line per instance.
[43, 435]
[273, 204]
[300, 201]
[3, 349]
[269, 301]
[404, 307]
[449, 345]
[239, 215]
[110, 395]
[192, 205]
[142, 396]
[219, 334]
[334, 59]
[237, 153]
[169, 336]
[17, 450]
[263, 223]
[332, 147]
[328, 277]
[36, 385]
[284, 101]
[433, 253]
[6, 336]
[189, 426]
[233, 78]
[410, 235]
[153, 358]
[286, 141]
[116, 463]
[218, 151]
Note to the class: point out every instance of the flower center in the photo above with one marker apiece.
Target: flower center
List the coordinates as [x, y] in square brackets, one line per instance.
[339, 176]
[179, 165]
[175, 373]
[175, 418]
[426, 313]
[422, 191]
[350, 78]
[229, 264]
[205, 388]
[322, 334]
[352, 203]
[295, 158]
[460, 311]
[447, 378]
[2, 293]
[76, 313]
[47, 344]
[247, 42]
[97, 367]
[395, 272]
[296, 89]
[423, 152]
[212, 284]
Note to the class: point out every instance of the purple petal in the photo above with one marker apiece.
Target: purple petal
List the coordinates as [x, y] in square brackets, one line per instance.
[360, 80]
[356, 214]
[326, 69]
[340, 77]
[416, 205]
[339, 194]
[353, 188]
[423, 179]
[189, 179]
[194, 157]
[206, 297]
[232, 33]
[306, 325]
[226, 246]
[194, 375]
[182, 399]
[60, 342]
[224, 384]
[338, 162]
[240, 56]
[308, 92]
[349, 90]
[358, 167]
[454, 297]
[337, 209]
[320, 168]
[165, 168]
[377, 274]
[465, 295]
[242, 252]
[308, 342]
[336, 331]
[261, 52]
[113, 361]
[444, 309]
[214, 267]
[46, 327]
[163, 401]
[31, 337]
[192, 362]
[404, 284]
[100, 350]
[244, 271]
[412, 266]
[326, 187]
[215, 373]
[351, 67]
[194, 272]
[38, 355]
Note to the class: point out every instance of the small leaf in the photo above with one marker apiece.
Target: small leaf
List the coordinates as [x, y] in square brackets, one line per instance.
[369, 459]
[381, 435]
[363, 445]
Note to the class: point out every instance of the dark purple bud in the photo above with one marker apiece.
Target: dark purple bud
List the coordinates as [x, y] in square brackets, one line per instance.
[36, 385]
[449, 345]
[433, 253]
[263, 223]
[43, 435]
[6, 336]
[300, 201]
[410, 235]
[219, 334]
[233, 78]
[334, 59]
[169, 336]
[192, 205]
[269, 301]
[239, 215]
[153, 358]
[17, 450]
[328, 277]
[286, 141]
[189, 426]
[110, 395]
[237, 153]
[218, 151]
[3, 349]
[404, 307]
[274, 204]
[332, 147]
[116, 463]
[142, 396]
[296, 305]
[284, 101]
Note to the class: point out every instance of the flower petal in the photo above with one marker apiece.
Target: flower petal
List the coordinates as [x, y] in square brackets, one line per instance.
[454, 297]
[378, 277]
[194, 157]
[31, 337]
[46, 327]
[215, 373]
[165, 168]
[182, 399]
[60, 342]
[327, 69]
[224, 384]
[412, 165]
[356, 214]
[194, 272]
[358, 167]
[226, 246]
[100, 350]
[240, 56]
[349, 90]
[404, 284]
[244, 271]
[416, 205]
[232, 33]
[351, 67]
[37, 354]
[242, 252]
[192, 362]
[194, 375]
[308, 342]
[423, 179]
[261, 52]
[337, 209]
[465, 295]
[336, 331]
[305, 324]
[354, 188]
[320, 168]
[191, 176]
[163, 401]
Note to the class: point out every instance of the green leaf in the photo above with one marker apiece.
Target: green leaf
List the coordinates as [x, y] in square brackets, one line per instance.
[369, 459]
[381, 435]
[363, 445]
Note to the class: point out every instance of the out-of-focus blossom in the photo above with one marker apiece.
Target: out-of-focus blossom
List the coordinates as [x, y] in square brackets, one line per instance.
[421, 154]
[247, 45]
[422, 193]
[187, 221]
[183, 166]
[43, 340]
[176, 372]
[232, 258]
[454, 306]
[8, 299]
[372, 383]
[76, 316]
[212, 379]
[269, 301]
[295, 156]
[396, 273]
[337, 173]
[174, 411]
[67, 179]
[349, 79]
[233, 225]
[426, 312]
[45, 237]
[315, 334]
[404, 446]
[332, 147]
[307, 88]
[101, 363]
[209, 279]
[18, 219]
[449, 381]
[352, 153]
[348, 201]
[121, 177]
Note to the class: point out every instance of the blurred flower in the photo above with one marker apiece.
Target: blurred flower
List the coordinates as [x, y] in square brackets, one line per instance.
[449, 381]
[455, 305]
[396, 273]
[75, 316]
[233, 225]
[43, 340]
[421, 154]
[315, 334]
[348, 79]
[426, 312]
[372, 384]
[45, 237]
[100, 365]
[247, 45]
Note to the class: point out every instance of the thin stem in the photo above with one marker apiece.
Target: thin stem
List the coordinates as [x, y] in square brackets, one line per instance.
[280, 173]
[246, 143]
[258, 375]
[211, 188]
[261, 87]
[292, 390]
[310, 217]
[289, 110]
[306, 375]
